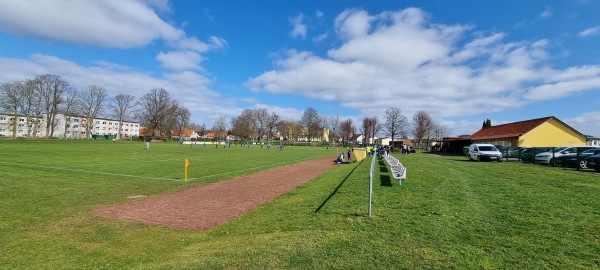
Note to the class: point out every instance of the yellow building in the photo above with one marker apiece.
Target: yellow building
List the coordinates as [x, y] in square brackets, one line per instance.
[541, 132]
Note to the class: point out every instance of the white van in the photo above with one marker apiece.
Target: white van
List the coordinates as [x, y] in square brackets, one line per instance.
[481, 152]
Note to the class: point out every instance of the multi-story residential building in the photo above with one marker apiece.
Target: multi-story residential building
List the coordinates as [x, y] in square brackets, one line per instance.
[67, 127]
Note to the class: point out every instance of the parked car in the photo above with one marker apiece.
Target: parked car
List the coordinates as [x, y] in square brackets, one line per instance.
[593, 162]
[503, 149]
[575, 160]
[550, 156]
[528, 154]
[2, 136]
[482, 152]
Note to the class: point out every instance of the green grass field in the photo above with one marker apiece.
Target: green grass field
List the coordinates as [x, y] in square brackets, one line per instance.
[449, 213]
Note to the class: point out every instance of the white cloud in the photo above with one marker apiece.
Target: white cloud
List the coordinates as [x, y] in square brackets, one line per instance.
[299, 30]
[401, 59]
[547, 13]
[352, 23]
[180, 60]
[108, 23]
[590, 32]
[190, 88]
[586, 123]
[111, 23]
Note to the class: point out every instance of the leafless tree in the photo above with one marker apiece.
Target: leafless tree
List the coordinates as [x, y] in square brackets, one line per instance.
[181, 118]
[395, 123]
[260, 120]
[91, 104]
[333, 122]
[284, 129]
[311, 123]
[422, 127]
[156, 109]
[347, 130]
[51, 89]
[11, 99]
[439, 131]
[272, 123]
[220, 127]
[68, 108]
[121, 107]
[370, 128]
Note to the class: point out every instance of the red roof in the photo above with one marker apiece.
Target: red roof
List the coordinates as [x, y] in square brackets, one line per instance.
[509, 130]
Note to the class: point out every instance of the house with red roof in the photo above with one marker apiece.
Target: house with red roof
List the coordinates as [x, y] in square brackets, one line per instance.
[540, 132]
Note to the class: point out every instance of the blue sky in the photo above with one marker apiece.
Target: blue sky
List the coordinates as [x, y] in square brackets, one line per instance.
[460, 61]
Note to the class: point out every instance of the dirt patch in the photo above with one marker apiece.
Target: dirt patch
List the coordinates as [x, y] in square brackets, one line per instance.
[206, 206]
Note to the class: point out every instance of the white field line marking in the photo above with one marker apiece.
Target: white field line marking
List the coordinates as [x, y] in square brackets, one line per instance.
[149, 177]
[84, 171]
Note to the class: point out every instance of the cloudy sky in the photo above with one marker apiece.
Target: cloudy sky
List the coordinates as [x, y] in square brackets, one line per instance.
[460, 61]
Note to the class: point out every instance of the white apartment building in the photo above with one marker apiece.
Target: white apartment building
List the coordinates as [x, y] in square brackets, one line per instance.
[67, 127]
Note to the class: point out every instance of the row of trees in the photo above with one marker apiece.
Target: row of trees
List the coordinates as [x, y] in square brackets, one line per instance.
[260, 123]
[50, 95]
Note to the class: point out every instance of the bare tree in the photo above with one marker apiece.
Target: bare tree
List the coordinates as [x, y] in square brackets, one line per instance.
[395, 123]
[91, 104]
[333, 122]
[220, 127]
[439, 131]
[11, 98]
[67, 109]
[121, 107]
[156, 110]
[422, 126]
[34, 107]
[370, 127]
[272, 123]
[260, 120]
[284, 127]
[311, 122]
[51, 89]
[347, 131]
[182, 118]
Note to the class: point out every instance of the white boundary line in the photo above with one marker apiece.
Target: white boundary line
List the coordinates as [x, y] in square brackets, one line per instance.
[84, 171]
[155, 178]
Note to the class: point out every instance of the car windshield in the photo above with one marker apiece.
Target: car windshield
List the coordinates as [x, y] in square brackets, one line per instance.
[487, 148]
[558, 149]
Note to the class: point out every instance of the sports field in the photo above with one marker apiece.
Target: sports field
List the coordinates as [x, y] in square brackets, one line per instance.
[450, 213]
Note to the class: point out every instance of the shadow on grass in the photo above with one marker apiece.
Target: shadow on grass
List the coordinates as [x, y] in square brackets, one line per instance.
[385, 180]
[337, 188]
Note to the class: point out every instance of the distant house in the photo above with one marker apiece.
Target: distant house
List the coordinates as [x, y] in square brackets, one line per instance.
[186, 134]
[540, 132]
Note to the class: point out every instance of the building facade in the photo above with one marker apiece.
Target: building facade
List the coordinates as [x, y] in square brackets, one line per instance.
[64, 127]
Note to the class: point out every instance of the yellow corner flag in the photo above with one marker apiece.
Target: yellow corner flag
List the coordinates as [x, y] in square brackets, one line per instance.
[187, 163]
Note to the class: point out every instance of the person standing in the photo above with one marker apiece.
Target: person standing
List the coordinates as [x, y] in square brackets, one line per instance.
[349, 156]
[147, 145]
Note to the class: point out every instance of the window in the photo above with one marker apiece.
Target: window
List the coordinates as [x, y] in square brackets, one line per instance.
[97, 122]
[76, 120]
[110, 123]
[2, 118]
[21, 120]
[104, 123]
